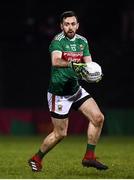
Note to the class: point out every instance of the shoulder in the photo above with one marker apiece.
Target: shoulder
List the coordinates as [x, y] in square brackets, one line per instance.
[81, 38]
[56, 43]
[59, 37]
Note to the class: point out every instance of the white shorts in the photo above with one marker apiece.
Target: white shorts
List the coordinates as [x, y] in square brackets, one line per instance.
[60, 106]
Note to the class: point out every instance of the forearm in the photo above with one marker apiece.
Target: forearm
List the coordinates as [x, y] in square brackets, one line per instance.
[59, 62]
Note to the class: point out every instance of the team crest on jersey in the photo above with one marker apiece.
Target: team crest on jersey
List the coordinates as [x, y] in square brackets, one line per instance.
[81, 47]
[60, 106]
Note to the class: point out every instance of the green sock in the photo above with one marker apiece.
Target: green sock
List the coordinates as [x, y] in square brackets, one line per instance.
[91, 147]
[40, 154]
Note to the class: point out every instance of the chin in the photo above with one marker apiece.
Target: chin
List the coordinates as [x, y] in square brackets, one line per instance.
[70, 36]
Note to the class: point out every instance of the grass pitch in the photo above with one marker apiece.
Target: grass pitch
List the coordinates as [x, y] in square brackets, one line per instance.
[64, 161]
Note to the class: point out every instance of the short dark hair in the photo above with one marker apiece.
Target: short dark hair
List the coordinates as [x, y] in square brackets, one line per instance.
[66, 14]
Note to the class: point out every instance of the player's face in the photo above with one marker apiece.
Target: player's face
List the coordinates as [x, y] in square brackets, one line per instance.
[70, 26]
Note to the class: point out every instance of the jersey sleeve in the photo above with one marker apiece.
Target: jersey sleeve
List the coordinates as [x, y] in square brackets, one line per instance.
[86, 51]
[55, 46]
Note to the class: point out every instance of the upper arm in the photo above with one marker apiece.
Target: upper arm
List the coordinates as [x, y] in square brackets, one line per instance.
[55, 50]
[86, 53]
[55, 55]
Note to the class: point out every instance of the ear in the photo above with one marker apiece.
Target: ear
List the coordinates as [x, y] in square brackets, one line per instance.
[61, 26]
[77, 26]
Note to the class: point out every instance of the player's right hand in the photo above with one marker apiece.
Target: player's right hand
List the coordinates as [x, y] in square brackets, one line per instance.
[78, 68]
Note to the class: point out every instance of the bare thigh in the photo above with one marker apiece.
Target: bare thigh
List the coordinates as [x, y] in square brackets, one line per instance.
[91, 110]
[60, 126]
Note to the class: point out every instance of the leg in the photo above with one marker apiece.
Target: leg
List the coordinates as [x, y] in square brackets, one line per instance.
[91, 110]
[59, 107]
[58, 133]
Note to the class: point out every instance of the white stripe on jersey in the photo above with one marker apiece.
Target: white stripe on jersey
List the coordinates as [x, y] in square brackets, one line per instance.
[59, 36]
[81, 37]
[57, 51]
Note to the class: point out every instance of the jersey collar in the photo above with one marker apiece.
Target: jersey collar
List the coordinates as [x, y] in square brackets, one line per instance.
[73, 39]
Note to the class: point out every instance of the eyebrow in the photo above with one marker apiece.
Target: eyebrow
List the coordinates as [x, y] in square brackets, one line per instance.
[70, 22]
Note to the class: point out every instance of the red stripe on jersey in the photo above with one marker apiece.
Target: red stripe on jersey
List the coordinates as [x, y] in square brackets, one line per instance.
[53, 103]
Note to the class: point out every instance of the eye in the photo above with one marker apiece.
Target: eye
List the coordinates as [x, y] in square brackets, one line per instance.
[66, 24]
[73, 24]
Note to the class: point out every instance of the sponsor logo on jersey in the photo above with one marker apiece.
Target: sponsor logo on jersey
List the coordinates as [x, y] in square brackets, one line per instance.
[67, 46]
[72, 56]
[73, 47]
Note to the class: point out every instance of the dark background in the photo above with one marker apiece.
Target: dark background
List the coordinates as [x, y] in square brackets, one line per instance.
[28, 26]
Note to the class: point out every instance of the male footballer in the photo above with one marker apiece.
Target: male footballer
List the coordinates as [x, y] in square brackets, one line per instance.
[69, 52]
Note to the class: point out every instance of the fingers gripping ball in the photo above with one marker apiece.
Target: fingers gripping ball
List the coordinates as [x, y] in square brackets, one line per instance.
[90, 72]
[78, 68]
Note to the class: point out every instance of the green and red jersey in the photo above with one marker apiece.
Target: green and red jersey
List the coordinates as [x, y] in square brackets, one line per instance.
[63, 79]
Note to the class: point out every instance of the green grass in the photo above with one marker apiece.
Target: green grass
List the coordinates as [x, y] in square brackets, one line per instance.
[64, 161]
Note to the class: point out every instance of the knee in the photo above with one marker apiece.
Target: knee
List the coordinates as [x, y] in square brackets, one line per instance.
[60, 135]
[99, 119]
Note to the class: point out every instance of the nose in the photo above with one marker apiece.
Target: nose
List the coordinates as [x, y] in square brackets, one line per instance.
[70, 28]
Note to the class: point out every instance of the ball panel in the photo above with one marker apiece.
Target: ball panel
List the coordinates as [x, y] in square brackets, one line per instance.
[93, 72]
